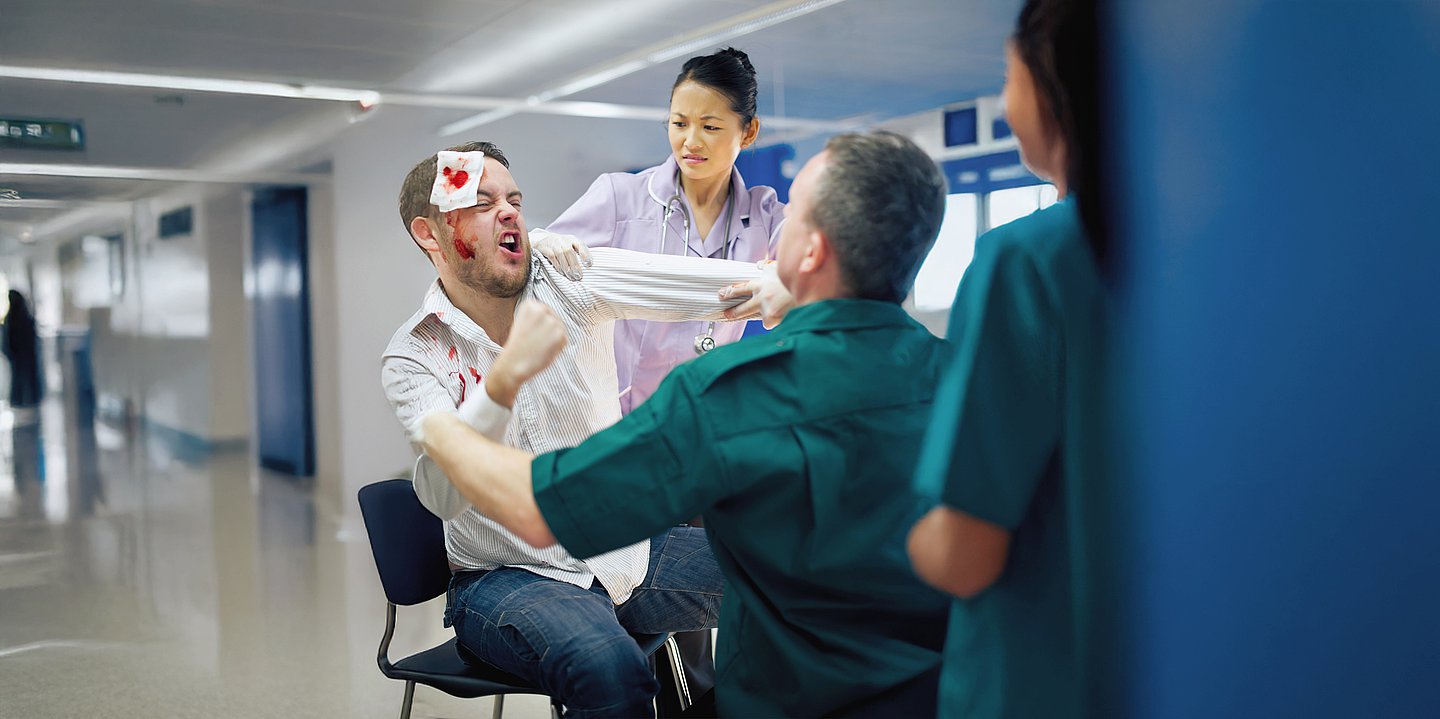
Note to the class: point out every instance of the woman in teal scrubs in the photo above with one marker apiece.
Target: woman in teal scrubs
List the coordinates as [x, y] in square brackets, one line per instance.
[1007, 452]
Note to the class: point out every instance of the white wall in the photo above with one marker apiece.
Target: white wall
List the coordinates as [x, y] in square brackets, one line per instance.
[324, 343]
[172, 356]
[174, 345]
[226, 231]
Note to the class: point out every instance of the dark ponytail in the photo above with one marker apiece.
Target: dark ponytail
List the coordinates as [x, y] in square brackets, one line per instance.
[727, 72]
[1057, 40]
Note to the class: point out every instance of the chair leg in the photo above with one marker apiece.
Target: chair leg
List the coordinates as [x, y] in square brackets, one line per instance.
[677, 670]
[499, 706]
[409, 699]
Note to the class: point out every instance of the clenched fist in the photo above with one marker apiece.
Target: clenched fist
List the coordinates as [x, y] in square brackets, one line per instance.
[536, 338]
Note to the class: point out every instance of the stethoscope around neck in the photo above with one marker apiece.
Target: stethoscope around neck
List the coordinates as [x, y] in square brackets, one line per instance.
[706, 341]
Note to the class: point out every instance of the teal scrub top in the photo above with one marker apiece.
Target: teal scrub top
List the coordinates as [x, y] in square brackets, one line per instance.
[1009, 444]
[798, 447]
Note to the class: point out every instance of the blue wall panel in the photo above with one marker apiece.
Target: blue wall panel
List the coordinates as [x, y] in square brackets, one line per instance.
[765, 166]
[1278, 350]
[988, 173]
[962, 127]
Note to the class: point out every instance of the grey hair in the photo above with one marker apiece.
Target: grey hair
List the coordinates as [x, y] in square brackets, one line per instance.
[880, 202]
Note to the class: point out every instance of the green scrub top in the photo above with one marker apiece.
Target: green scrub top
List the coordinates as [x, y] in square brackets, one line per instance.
[1008, 444]
[798, 447]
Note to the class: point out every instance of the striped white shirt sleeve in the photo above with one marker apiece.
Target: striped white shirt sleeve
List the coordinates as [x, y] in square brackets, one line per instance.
[415, 394]
[625, 285]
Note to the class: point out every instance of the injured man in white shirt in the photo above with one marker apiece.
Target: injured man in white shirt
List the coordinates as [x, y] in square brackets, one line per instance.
[462, 207]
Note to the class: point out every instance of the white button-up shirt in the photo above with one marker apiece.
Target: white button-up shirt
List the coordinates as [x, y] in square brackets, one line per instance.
[437, 362]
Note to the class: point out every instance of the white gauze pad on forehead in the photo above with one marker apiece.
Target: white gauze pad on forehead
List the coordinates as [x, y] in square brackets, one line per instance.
[457, 179]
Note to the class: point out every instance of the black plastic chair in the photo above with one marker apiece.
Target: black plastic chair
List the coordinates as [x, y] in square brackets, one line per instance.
[409, 547]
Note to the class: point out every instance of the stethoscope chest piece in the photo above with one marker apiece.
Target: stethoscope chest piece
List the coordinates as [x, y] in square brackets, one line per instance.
[704, 343]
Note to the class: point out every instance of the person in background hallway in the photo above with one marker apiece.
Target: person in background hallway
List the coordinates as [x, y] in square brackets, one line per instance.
[22, 350]
[1008, 452]
[798, 449]
[712, 118]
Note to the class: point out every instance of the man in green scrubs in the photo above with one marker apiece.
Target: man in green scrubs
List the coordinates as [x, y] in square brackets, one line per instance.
[797, 447]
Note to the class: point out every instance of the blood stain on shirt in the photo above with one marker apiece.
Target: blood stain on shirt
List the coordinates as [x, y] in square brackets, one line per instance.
[460, 377]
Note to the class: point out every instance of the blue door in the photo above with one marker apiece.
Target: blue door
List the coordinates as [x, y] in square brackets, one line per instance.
[280, 306]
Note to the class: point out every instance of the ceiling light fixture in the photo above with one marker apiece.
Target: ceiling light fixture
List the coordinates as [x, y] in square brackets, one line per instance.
[41, 204]
[192, 84]
[160, 174]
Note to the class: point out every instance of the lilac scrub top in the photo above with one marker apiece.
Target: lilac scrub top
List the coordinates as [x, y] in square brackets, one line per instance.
[625, 210]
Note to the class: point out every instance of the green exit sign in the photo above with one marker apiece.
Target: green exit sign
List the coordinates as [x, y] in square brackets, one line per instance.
[42, 134]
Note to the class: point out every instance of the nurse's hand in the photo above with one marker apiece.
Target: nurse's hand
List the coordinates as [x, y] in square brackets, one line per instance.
[535, 341]
[566, 252]
[765, 295]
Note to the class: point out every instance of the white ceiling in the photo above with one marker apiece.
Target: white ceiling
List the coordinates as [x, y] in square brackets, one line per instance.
[860, 58]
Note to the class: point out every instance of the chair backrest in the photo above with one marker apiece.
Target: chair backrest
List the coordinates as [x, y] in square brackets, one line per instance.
[407, 540]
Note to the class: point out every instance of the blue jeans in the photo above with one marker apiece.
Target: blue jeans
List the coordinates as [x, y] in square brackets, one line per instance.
[574, 643]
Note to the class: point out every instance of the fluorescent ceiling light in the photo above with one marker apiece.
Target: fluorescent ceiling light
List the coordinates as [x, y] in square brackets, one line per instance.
[39, 204]
[714, 34]
[603, 110]
[593, 80]
[161, 174]
[193, 84]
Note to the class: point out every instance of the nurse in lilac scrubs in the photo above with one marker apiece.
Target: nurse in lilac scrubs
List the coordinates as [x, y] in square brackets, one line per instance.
[695, 203]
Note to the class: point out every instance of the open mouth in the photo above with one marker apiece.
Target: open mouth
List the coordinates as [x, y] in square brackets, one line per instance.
[510, 244]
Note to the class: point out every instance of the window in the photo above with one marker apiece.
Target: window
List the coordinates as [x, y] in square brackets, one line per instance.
[1005, 206]
[940, 274]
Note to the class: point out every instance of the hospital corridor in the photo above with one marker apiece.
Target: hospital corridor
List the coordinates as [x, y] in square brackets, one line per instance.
[145, 579]
[681, 359]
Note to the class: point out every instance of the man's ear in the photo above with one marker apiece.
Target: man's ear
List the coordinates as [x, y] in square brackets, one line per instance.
[817, 252]
[424, 232]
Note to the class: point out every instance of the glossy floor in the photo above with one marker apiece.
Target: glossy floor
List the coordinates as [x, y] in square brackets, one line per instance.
[137, 581]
